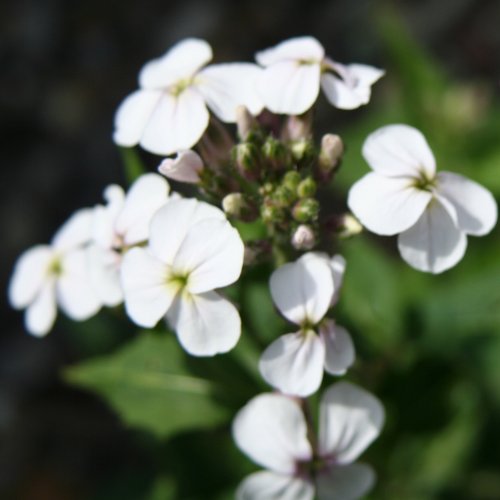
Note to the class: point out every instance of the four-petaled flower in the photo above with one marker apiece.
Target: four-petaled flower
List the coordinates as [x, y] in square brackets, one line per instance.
[192, 250]
[296, 68]
[303, 291]
[47, 275]
[432, 213]
[272, 430]
[169, 112]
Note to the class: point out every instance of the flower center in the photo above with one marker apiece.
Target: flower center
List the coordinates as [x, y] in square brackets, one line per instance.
[180, 86]
[423, 183]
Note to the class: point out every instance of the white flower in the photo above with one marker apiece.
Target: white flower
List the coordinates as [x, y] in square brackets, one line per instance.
[47, 275]
[303, 291]
[295, 70]
[272, 431]
[185, 167]
[119, 225]
[192, 251]
[169, 111]
[432, 213]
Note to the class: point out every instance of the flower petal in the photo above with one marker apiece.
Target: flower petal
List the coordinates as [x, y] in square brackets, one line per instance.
[267, 485]
[302, 290]
[147, 293]
[289, 87]
[172, 222]
[177, 123]
[206, 324]
[211, 255]
[104, 275]
[347, 482]
[338, 265]
[399, 150]
[76, 231]
[350, 419]
[41, 313]
[227, 86]
[104, 217]
[434, 243]
[305, 48]
[133, 115]
[475, 206]
[339, 348]
[387, 205]
[74, 291]
[293, 363]
[181, 62]
[272, 431]
[146, 195]
[185, 167]
[30, 273]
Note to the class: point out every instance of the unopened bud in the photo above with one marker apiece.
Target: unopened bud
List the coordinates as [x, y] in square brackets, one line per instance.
[185, 167]
[283, 196]
[301, 149]
[247, 160]
[236, 205]
[297, 127]
[245, 122]
[305, 210]
[271, 213]
[306, 188]
[332, 149]
[349, 226]
[303, 238]
[215, 144]
[276, 153]
[291, 180]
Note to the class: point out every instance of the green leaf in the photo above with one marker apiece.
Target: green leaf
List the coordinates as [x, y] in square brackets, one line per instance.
[147, 383]
[132, 164]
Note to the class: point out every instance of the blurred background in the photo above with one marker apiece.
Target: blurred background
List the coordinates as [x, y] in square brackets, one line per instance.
[429, 347]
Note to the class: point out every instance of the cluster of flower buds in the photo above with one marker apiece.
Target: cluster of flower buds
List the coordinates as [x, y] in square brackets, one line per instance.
[166, 256]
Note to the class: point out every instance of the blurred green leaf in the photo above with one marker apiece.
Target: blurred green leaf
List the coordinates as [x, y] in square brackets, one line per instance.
[148, 384]
[132, 164]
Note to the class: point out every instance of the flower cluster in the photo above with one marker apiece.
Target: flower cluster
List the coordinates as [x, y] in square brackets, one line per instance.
[165, 256]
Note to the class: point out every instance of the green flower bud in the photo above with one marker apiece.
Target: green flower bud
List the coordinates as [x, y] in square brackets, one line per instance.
[237, 205]
[276, 153]
[301, 149]
[271, 213]
[306, 188]
[291, 180]
[283, 196]
[332, 149]
[246, 156]
[305, 210]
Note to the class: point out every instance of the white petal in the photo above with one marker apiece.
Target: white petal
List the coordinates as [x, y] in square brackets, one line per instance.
[104, 274]
[146, 195]
[387, 205]
[41, 313]
[75, 294]
[302, 290]
[211, 254]
[181, 62]
[396, 150]
[133, 115]
[185, 167]
[434, 243]
[30, 273]
[177, 123]
[475, 206]
[172, 222]
[289, 87]
[267, 485]
[350, 419]
[148, 295]
[353, 88]
[338, 265]
[339, 348]
[293, 363]
[206, 324]
[272, 431]
[227, 86]
[347, 482]
[76, 231]
[305, 48]
[104, 217]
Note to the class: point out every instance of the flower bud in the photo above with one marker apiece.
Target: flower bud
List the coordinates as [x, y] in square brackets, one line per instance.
[271, 213]
[245, 122]
[303, 238]
[276, 153]
[283, 196]
[301, 149]
[247, 160]
[332, 149]
[185, 167]
[349, 226]
[291, 180]
[305, 210]
[236, 205]
[306, 188]
[297, 127]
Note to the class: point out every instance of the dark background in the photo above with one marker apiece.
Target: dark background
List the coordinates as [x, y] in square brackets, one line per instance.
[64, 68]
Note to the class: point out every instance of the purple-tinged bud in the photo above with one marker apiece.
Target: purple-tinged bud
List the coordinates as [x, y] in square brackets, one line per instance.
[245, 122]
[303, 238]
[185, 167]
[332, 149]
[297, 128]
